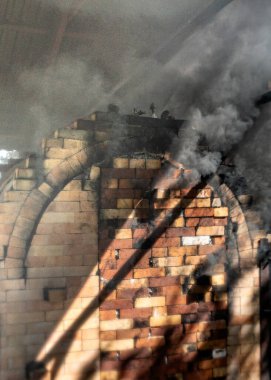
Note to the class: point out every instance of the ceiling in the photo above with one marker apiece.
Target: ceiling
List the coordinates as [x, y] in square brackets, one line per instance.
[59, 57]
[34, 33]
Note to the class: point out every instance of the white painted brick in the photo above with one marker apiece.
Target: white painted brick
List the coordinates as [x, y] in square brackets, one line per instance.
[196, 240]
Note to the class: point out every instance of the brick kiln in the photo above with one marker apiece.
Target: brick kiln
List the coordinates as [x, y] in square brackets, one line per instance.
[114, 266]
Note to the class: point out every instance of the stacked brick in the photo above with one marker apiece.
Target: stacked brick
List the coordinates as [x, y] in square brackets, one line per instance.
[244, 324]
[166, 315]
[62, 265]
[153, 301]
[43, 295]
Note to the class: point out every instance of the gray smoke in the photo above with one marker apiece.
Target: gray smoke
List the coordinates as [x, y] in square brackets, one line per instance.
[223, 72]
[213, 80]
[37, 99]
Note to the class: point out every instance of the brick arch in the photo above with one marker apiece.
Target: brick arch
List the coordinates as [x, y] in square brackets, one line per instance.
[39, 198]
[243, 322]
[32, 207]
[35, 204]
[244, 285]
[89, 143]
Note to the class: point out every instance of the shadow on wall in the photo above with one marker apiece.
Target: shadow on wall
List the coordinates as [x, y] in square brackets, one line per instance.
[162, 362]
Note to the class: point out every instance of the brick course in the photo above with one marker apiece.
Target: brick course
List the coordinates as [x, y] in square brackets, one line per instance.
[150, 302]
[169, 311]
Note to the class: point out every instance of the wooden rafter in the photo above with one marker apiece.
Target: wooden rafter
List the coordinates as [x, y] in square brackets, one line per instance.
[60, 33]
[33, 30]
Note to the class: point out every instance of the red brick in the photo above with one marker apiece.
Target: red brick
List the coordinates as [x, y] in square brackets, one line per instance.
[221, 212]
[151, 272]
[118, 173]
[117, 193]
[107, 264]
[141, 203]
[206, 306]
[123, 233]
[108, 203]
[204, 193]
[180, 251]
[106, 315]
[212, 325]
[183, 309]
[189, 338]
[223, 305]
[111, 296]
[219, 240]
[116, 304]
[135, 353]
[211, 249]
[210, 344]
[199, 212]
[174, 299]
[199, 375]
[139, 364]
[182, 349]
[110, 183]
[162, 194]
[185, 191]
[180, 231]
[167, 184]
[146, 173]
[134, 183]
[142, 213]
[172, 290]
[185, 358]
[155, 341]
[116, 244]
[191, 327]
[214, 363]
[126, 184]
[126, 253]
[110, 355]
[133, 333]
[176, 337]
[110, 365]
[125, 223]
[166, 242]
[108, 335]
[140, 233]
[130, 293]
[134, 374]
[192, 222]
[143, 263]
[195, 260]
[159, 252]
[164, 281]
[161, 331]
[108, 255]
[213, 222]
[108, 274]
[210, 231]
[167, 204]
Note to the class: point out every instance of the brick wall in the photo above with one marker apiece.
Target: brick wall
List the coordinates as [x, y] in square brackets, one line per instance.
[123, 276]
[40, 313]
[168, 313]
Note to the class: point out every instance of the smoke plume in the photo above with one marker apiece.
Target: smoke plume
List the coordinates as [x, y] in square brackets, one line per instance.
[212, 79]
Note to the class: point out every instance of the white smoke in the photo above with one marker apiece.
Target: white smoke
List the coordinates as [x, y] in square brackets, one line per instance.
[213, 80]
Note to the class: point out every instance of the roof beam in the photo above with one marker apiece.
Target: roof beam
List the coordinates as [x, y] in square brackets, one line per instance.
[60, 33]
[23, 29]
[58, 38]
[33, 30]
